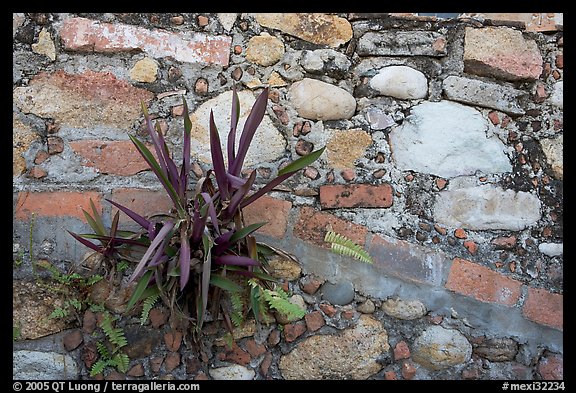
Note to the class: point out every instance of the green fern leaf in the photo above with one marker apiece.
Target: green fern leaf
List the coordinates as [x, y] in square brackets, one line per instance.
[343, 246]
[147, 306]
[58, 313]
[98, 367]
[121, 361]
[103, 350]
[237, 315]
[278, 300]
[115, 335]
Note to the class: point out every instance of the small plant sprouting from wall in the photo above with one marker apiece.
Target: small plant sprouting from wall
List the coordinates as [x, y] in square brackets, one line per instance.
[342, 245]
[202, 247]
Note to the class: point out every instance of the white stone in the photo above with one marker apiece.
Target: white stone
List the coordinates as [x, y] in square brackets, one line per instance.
[227, 19]
[551, 249]
[401, 82]
[557, 96]
[18, 19]
[404, 309]
[486, 207]
[36, 365]
[317, 100]
[447, 139]
[438, 348]
[267, 145]
[234, 372]
[554, 151]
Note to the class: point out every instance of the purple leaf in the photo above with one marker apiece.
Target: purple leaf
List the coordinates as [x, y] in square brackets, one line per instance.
[236, 260]
[198, 224]
[239, 195]
[186, 149]
[252, 122]
[268, 187]
[235, 181]
[234, 116]
[144, 223]
[184, 258]
[218, 159]
[87, 243]
[211, 211]
[162, 233]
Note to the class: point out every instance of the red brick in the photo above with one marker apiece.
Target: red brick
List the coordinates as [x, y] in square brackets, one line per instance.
[551, 367]
[141, 201]
[294, 330]
[506, 243]
[111, 157]
[408, 261]
[545, 308]
[173, 340]
[84, 100]
[266, 363]
[328, 309]
[81, 34]
[493, 116]
[172, 361]
[313, 225]
[471, 246]
[408, 370]
[390, 375]
[55, 204]
[270, 210]
[37, 172]
[482, 283]
[255, 349]
[355, 195]
[401, 351]
[314, 320]
[238, 355]
[460, 233]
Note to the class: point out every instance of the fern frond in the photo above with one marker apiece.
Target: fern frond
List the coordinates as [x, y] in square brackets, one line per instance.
[278, 300]
[147, 306]
[60, 312]
[98, 367]
[102, 350]
[237, 315]
[342, 245]
[115, 335]
[121, 361]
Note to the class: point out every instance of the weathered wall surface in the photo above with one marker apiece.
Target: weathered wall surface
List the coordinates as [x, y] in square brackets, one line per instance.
[444, 148]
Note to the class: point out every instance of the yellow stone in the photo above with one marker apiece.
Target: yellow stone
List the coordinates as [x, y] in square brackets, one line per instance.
[144, 70]
[45, 45]
[22, 138]
[322, 29]
[345, 147]
[275, 80]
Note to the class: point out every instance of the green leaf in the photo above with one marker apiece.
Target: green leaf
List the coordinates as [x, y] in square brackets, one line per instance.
[224, 283]
[97, 217]
[139, 290]
[155, 166]
[342, 245]
[302, 162]
[242, 233]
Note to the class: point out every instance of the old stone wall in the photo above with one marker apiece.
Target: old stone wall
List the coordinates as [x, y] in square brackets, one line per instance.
[444, 159]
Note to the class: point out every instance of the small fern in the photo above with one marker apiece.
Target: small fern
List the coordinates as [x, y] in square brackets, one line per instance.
[111, 357]
[60, 312]
[121, 361]
[147, 307]
[98, 367]
[341, 245]
[278, 300]
[114, 335]
[237, 315]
